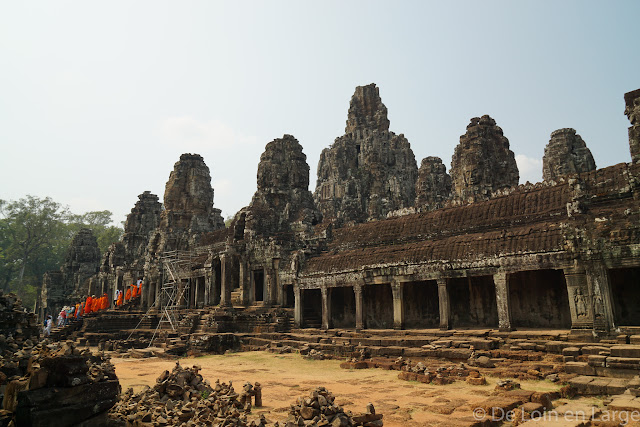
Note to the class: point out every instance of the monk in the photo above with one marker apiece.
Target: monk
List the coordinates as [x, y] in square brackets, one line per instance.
[87, 305]
[105, 301]
[127, 296]
[119, 302]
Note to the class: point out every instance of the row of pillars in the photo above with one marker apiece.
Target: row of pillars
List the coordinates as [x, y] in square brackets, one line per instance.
[219, 292]
[588, 289]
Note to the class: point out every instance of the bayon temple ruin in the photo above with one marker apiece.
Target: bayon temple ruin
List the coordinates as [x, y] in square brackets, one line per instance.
[382, 243]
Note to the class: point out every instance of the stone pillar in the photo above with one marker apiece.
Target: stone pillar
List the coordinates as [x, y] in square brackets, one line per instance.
[298, 308]
[195, 284]
[503, 301]
[225, 297]
[244, 282]
[443, 304]
[215, 287]
[579, 298]
[207, 288]
[357, 289]
[278, 294]
[326, 307]
[158, 294]
[397, 289]
[268, 287]
[602, 299]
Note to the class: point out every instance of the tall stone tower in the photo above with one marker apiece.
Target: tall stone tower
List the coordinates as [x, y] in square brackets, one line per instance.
[369, 171]
[566, 153]
[482, 162]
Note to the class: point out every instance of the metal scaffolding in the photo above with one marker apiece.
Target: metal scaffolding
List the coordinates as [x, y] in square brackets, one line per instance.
[177, 272]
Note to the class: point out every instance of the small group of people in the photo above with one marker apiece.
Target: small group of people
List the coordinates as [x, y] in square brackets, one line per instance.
[134, 290]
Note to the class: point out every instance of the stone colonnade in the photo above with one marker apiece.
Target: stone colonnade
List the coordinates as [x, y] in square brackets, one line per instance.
[586, 290]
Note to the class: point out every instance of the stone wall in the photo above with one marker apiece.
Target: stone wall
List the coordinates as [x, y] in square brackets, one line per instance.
[632, 110]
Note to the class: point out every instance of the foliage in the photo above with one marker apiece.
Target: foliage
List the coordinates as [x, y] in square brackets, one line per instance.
[35, 235]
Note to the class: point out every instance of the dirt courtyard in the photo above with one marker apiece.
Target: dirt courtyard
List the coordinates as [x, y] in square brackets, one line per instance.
[286, 377]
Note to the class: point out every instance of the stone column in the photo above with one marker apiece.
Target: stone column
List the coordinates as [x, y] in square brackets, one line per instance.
[326, 307]
[278, 294]
[298, 308]
[503, 301]
[268, 291]
[579, 298]
[195, 283]
[397, 289]
[443, 304]
[225, 297]
[244, 282]
[158, 294]
[357, 289]
[215, 287]
[602, 299]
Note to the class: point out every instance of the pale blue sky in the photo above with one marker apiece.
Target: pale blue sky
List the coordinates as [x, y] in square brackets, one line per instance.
[99, 99]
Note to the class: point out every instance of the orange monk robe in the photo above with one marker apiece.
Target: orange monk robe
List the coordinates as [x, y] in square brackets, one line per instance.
[119, 302]
[78, 310]
[105, 302]
[134, 291]
[127, 296]
[95, 305]
[87, 305]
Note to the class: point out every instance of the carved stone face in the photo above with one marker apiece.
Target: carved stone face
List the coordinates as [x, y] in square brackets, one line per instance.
[633, 112]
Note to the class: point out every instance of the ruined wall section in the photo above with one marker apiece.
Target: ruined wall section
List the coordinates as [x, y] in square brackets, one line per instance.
[632, 110]
[482, 163]
[433, 187]
[369, 171]
[566, 153]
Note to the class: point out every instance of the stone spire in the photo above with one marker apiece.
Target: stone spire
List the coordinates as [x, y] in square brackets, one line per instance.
[369, 171]
[566, 153]
[82, 261]
[188, 207]
[433, 186]
[143, 219]
[482, 162]
[632, 110]
[282, 202]
[366, 111]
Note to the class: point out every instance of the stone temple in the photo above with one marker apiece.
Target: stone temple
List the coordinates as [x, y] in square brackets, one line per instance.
[383, 244]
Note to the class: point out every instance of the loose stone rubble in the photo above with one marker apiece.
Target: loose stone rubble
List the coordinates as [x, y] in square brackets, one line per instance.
[184, 396]
[319, 409]
[56, 384]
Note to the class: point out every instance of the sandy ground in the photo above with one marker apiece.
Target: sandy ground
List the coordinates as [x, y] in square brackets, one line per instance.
[286, 377]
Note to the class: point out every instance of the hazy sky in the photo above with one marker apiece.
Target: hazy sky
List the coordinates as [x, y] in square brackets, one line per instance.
[99, 99]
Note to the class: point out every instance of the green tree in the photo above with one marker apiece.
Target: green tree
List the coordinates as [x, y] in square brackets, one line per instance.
[35, 235]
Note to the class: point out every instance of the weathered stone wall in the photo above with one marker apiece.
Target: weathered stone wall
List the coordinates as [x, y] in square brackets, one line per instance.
[188, 212]
[282, 202]
[433, 187]
[369, 171]
[566, 153]
[632, 110]
[482, 163]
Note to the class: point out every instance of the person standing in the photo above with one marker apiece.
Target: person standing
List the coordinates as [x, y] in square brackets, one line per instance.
[48, 326]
